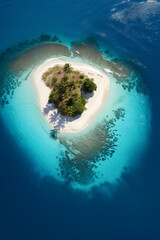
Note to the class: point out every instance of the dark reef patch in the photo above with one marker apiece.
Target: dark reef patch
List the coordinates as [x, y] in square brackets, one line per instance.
[37, 55]
[79, 162]
[22, 58]
[12, 52]
[89, 50]
[125, 72]
[134, 81]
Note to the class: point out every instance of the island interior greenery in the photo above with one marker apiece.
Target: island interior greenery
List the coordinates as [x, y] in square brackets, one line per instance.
[67, 86]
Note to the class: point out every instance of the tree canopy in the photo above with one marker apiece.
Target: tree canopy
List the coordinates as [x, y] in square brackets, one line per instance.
[67, 85]
[89, 86]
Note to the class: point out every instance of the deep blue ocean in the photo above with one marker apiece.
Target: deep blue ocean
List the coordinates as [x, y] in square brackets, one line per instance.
[124, 200]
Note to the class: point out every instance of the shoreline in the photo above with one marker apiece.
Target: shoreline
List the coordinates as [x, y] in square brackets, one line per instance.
[64, 123]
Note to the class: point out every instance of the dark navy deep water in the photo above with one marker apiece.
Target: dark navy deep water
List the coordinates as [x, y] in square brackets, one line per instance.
[42, 208]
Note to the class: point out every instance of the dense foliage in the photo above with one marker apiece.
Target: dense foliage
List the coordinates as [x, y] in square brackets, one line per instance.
[89, 86]
[66, 85]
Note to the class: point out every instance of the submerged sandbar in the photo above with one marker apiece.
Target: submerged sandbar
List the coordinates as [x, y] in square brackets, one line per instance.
[63, 123]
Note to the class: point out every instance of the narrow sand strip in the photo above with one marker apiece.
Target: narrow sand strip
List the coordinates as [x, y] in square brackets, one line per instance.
[95, 102]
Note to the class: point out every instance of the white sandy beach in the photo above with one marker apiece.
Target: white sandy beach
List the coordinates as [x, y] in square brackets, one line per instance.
[69, 124]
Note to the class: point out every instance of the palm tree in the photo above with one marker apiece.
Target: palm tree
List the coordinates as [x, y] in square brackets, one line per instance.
[62, 86]
[67, 68]
[70, 111]
[65, 78]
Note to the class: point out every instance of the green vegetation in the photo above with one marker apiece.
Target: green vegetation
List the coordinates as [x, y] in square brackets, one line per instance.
[89, 85]
[67, 68]
[66, 85]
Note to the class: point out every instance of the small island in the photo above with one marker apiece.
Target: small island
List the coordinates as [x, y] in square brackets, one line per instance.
[67, 86]
[70, 94]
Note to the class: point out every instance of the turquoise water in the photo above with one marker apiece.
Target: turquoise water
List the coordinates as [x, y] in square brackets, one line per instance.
[39, 197]
[30, 130]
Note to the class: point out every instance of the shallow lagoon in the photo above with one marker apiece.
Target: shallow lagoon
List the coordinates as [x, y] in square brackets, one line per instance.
[33, 207]
[114, 141]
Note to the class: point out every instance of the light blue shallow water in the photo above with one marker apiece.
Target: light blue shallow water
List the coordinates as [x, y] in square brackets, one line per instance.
[34, 205]
[22, 116]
